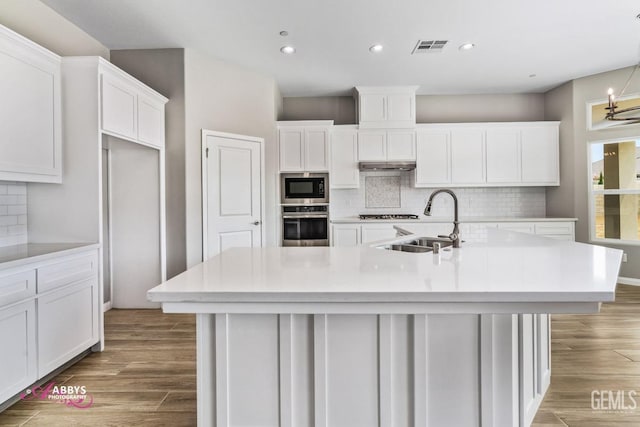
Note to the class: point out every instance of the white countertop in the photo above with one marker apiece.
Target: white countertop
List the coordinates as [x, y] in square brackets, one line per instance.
[17, 255]
[507, 268]
[447, 219]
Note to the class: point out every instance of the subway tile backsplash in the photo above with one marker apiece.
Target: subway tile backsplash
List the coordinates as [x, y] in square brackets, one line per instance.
[503, 202]
[13, 213]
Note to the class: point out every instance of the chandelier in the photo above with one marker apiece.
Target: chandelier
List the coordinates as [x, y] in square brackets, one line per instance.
[630, 114]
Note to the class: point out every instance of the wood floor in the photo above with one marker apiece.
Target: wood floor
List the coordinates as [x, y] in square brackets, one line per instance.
[146, 375]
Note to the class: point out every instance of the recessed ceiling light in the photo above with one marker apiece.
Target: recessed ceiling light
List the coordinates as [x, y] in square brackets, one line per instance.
[376, 48]
[288, 50]
[467, 46]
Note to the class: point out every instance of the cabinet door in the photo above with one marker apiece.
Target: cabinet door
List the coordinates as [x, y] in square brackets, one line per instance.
[150, 121]
[503, 155]
[30, 107]
[344, 235]
[374, 232]
[540, 155]
[372, 107]
[433, 158]
[18, 363]
[67, 324]
[400, 108]
[372, 146]
[291, 143]
[316, 149]
[119, 107]
[401, 145]
[344, 160]
[467, 156]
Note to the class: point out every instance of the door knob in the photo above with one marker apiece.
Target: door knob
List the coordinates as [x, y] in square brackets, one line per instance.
[256, 222]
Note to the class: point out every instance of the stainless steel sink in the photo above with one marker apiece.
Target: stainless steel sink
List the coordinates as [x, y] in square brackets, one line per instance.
[419, 245]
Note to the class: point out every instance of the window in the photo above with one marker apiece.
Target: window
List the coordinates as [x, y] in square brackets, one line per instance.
[615, 191]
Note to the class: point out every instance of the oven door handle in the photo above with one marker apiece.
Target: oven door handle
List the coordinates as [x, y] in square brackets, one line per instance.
[305, 216]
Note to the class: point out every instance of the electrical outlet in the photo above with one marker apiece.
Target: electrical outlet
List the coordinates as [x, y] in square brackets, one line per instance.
[624, 257]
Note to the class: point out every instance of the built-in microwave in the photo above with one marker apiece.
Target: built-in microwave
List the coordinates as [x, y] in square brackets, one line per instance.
[304, 188]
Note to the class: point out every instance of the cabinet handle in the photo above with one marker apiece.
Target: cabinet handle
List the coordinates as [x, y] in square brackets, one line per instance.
[384, 108]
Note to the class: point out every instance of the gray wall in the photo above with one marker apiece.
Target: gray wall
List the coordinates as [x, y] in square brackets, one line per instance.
[38, 22]
[559, 107]
[429, 108]
[340, 109]
[227, 98]
[588, 89]
[163, 70]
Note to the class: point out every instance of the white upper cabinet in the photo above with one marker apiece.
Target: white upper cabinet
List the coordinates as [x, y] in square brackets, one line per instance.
[433, 159]
[344, 158]
[487, 154]
[467, 156]
[540, 155]
[304, 145]
[503, 155]
[129, 109]
[383, 145]
[30, 105]
[386, 107]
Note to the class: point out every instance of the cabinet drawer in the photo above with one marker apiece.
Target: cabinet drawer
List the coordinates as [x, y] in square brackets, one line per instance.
[16, 285]
[67, 272]
[555, 228]
[519, 227]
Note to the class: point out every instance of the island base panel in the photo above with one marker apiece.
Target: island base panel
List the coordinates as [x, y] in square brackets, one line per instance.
[346, 370]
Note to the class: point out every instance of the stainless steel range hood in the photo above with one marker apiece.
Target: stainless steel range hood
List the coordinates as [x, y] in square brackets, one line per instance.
[387, 166]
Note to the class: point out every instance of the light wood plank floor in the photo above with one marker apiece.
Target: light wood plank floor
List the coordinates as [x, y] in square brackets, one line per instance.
[146, 375]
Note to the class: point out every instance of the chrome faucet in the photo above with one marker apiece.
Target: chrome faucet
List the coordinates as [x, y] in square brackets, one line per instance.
[455, 234]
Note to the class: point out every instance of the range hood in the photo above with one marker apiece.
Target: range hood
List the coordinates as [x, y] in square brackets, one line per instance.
[387, 166]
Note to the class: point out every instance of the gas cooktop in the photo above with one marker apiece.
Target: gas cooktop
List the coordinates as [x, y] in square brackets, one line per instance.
[388, 216]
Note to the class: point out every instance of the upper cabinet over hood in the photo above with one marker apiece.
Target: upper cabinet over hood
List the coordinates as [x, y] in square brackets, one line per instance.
[388, 107]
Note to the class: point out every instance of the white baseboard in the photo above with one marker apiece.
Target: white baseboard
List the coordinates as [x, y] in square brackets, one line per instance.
[106, 306]
[628, 281]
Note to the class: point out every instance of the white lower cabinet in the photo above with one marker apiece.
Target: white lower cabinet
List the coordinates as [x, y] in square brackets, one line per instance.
[354, 234]
[66, 324]
[18, 362]
[49, 313]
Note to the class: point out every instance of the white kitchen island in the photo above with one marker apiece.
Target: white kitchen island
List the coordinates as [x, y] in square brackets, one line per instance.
[363, 337]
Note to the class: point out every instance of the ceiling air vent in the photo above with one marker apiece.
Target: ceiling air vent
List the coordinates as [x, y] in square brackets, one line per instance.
[429, 46]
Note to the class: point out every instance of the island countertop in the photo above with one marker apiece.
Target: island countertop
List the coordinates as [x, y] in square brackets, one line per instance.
[508, 268]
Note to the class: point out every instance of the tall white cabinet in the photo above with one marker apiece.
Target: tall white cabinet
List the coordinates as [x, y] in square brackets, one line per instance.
[30, 105]
[114, 180]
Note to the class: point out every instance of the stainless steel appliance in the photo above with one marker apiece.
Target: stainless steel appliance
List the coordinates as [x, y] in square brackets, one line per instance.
[388, 216]
[305, 225]
[304, 188]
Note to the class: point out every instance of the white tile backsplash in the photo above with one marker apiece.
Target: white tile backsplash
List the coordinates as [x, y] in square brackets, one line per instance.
[13, 213]
[503, 202]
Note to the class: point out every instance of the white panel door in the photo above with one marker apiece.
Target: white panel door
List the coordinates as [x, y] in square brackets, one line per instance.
[316, 149]
[433, 158]
[291, 144]
[344, 159]
[401, 145]
[467, 156]
[540, 155]
[233, 174]
[372, 145]
[503, 155]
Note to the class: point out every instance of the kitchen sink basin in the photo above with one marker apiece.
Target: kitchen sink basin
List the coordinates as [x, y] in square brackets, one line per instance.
[418, 245]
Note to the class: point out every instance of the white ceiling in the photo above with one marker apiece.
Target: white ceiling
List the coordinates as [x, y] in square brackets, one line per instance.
[557, 40]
